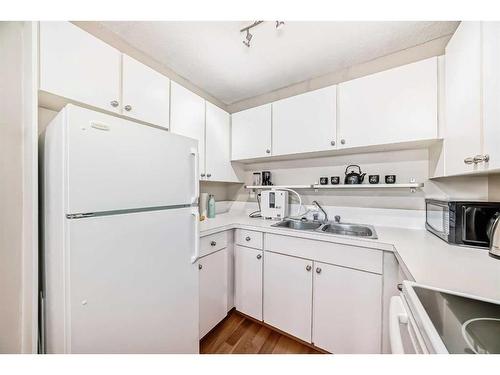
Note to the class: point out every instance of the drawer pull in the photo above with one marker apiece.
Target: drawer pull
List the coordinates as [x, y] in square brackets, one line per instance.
[259, 256]
[213, 243]
[318, 270]
[247, 238]
[308, 268]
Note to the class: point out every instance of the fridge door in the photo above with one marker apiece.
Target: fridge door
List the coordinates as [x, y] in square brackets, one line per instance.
[132, 285]
[115, 164]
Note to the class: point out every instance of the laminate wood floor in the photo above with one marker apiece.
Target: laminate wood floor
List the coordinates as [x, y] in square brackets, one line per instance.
[237, 334]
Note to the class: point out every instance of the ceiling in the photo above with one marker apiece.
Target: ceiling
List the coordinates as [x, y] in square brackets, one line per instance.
[212, 56]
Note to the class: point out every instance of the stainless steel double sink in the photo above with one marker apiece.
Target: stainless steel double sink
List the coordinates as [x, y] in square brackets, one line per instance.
[345, 229]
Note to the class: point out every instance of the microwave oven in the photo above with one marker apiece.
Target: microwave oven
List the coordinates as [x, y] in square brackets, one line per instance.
[465, 223]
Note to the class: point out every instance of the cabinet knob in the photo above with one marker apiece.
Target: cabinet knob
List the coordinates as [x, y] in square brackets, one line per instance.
[332, 143]
[209, 174]
[127, 108]
[481, 159]
[114, 103]
[268, 151]
[342, 141]
[247, 238]
[318, 270]
[400, 287]
[213, 243]
[202, 175]
[200, 266]
[469, 160]
[308, 268]
[259, 256]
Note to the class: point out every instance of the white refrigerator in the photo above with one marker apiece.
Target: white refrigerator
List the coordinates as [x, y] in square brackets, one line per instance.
[120, 246]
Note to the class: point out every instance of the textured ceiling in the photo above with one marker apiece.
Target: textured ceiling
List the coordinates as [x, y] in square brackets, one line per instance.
[212, 56]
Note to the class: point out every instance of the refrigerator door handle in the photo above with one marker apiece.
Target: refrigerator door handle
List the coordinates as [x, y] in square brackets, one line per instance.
[196, 217]
[194, 153]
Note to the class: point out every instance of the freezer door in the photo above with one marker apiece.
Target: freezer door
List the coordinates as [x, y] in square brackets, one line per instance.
[132, 285]
[115, 164]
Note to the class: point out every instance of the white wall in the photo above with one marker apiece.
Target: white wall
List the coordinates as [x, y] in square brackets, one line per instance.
[404, 164]
[18, 189]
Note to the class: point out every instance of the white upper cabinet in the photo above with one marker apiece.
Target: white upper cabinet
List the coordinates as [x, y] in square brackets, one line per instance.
[145, 93]
[491, 94]
[305, 123]
[463, 98]
[397, 105]
[78, 66]
[187, 117]
[218, 145]
[251, 133]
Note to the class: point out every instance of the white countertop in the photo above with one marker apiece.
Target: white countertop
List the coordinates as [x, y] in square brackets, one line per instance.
[427, 258]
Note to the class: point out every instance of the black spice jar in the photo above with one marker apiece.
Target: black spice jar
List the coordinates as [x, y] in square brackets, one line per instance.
[323, 180]
[390, 179]
[335, 180]
[373, 178]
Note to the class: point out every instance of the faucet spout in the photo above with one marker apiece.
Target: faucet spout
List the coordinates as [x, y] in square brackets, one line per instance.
[325, 219]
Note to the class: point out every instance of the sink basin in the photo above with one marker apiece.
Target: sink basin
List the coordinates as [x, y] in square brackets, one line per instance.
[357, 230]
[300, 225]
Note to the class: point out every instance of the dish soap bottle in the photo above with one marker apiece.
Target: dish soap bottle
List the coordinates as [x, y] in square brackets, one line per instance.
[211, 206]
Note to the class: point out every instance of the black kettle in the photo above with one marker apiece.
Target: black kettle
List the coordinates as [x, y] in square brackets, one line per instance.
[353, 178]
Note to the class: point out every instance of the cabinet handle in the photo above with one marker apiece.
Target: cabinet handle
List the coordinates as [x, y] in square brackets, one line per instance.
[469, 160]
[127, 108]
[200, 266]
[308, 268]
[247, 238]
[342, 141]
[332, 143]
[202, 175]
[209, 175]
[268, 151]
[400, 287]
[481, 158]
[114, 103]
[318, 270]
[213, 243]
[259, 256]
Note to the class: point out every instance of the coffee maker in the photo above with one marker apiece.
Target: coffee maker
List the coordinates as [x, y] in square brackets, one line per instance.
[266, 178]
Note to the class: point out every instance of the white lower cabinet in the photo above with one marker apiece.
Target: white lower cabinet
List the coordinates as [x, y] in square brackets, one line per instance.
[248, 281]
[213, 289]
[347, 310]
[288, 294]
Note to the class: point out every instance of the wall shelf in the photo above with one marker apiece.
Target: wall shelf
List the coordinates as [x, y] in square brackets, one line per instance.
[411, 185]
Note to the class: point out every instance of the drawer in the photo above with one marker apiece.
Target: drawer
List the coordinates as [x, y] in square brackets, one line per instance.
[213, 242]
[249, 238]
[328, 252]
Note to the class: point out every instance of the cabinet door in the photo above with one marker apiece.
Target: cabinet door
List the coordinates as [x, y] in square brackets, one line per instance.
[248, 281]
[347, 310]
[397, 105]
[251, 133]
[78, 66]
[305, 123]
[213, 290]
[491, 93]
[463, 98]
[187, 117]
[145, 93]
[218, 145]
[288, 294]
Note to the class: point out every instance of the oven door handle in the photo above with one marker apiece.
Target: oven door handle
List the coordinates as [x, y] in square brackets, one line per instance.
[397, 316]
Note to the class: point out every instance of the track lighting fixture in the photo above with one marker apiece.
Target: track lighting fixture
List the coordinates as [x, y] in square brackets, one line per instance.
[248, 36]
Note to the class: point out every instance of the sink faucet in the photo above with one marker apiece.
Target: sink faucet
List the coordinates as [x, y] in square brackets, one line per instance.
[325, 219]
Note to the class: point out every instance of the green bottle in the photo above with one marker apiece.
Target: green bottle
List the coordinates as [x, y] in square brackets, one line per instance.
[211, 206]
